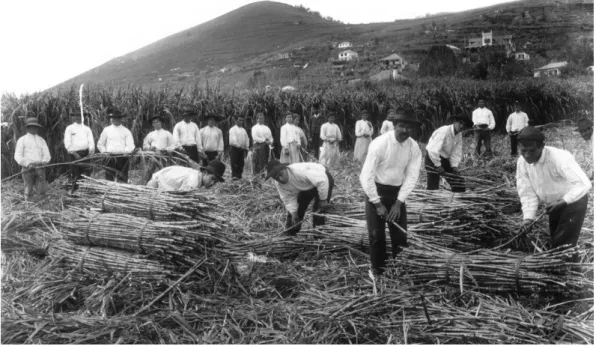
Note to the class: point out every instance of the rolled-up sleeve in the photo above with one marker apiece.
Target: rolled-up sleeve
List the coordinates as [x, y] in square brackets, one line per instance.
[411, 176]
[527, 196]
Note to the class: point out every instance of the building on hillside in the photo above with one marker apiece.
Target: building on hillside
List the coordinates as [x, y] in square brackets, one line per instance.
[552, 69]
[487, 39]
[393, 61]
[344, 44]
[281, 56]
[521, 56]
[348, 55]
[527, 45]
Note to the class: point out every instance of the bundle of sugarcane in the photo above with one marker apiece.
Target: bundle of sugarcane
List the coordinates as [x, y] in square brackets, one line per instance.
[99, 259]
[167, 241]
[148, 202]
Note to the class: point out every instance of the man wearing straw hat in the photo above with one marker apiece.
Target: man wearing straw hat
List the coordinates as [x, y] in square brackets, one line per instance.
[186, 134]
[388, 176]
[32, 154]
[262, 139]
[79, 143]
[239, 147]
[515, 123]
[179, 178]
[158, 140]
[210, 141]
[116, 143]
[444, 154]
[585, 127]
[298, 184]
[387, 125]
[551, 176]
[484, 122]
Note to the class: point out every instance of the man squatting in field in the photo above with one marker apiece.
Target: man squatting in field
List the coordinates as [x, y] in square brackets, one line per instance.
[388, 176]
[515, 123]
[79, 143]
[158, 140]
[186, 135]
[116, 140]
[552, 176]
[298, 184]
[179, 178]
[484, 122]
[32, 154]
[585, 127]
[210, 141]
[444, 154]
[239, 147]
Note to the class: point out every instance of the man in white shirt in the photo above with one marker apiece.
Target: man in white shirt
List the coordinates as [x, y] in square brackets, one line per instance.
[79, 143]
[32, 153]
[585, 127]
[484, 122]
[387, 125]
[158, 140]
[331, 136]
[116, 143]
[262, 140]
[515, 123]
[298, 184]
[444, 154]
[210, 141]
[551, 176]
[388, 176]
[239, 146]
[186, 134]
[179, 178]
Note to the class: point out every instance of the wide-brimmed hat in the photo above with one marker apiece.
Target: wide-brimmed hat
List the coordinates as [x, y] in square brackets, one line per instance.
[115, 113]
[462, 117]
[217, 168]
[156, 116]
[584, 123]
[189, 111]
[273, 167]
[403, 116]
[32, 122]
[215, 117]
[75, 112]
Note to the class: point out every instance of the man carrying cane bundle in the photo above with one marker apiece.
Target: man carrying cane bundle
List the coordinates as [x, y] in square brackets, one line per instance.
[79, 143]
[298, 184]
[388, 176]
[444, 154]
[552, 176]
[32, 154]
[515, 123]
[116, 143]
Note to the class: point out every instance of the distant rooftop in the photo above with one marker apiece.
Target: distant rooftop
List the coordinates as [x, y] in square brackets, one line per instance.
[552, 65]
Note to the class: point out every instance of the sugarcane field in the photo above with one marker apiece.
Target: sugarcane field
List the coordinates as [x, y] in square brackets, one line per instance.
[396, 190]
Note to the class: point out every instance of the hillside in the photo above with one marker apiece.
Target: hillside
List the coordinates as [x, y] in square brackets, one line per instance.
[234, 48]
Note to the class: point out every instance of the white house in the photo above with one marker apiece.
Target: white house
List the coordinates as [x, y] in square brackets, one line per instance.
[552, 69]
[345, 44]
[348, 55]
[521, 56]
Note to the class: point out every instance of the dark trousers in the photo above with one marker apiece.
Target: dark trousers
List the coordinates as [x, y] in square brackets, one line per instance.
[77, 169]
[316, 142]
[456, 182]
[34, 179]
[211, 155]
[482, 136]
[261, 157]
[566, 224]
[192, 152]
[304, 198]
[376, 228]
[513, 139]
[120, 165]
[237, 162]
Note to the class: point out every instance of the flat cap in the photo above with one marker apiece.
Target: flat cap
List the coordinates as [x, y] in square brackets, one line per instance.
[530, 133]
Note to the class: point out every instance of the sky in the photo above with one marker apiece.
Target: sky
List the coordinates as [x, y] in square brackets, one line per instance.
[47, 42]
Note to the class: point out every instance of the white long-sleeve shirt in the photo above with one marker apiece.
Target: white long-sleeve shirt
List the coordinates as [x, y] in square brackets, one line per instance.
[260, 133]
[363, 128]
[386, 127]
[159, 139]
[186, 134]
[391, 163]
[288, 134]
[239, 137]
[31, 149]
[556, 175]
[445, 143]
[517, 121]
[116, 140]
[330, 132]
[210, 139]
[176, 178]
[483, 116]
[78, 137]
[303, 176]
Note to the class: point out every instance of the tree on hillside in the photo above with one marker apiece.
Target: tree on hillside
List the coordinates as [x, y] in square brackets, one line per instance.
[440, 61]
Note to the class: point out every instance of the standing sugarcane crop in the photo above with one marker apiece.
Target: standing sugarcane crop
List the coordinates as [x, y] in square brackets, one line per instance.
[158, 140]
[116, 140]
[32, 154]
[585, 127]
[179, 178]
[552, 176]
[484, 122]
[186, 135]
[388, 176]
[515, 123]
[79, 143]
[262, 139]
[298, 184]
[364, 132]
[444, 154]
[316, 122]
[239, 147]
[290, 141]
[210, 141]
[387, 125]
[331, 136]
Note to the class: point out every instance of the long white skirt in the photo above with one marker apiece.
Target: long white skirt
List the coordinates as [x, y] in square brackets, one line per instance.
[293, 156]
[329, 155]
[361, 148]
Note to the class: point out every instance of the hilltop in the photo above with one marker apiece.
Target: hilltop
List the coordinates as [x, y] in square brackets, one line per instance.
[242, 46]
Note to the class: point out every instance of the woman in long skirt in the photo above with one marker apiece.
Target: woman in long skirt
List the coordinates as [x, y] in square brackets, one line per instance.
[364, 132]
[262, 139]
[331, 136]
[290, 142]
